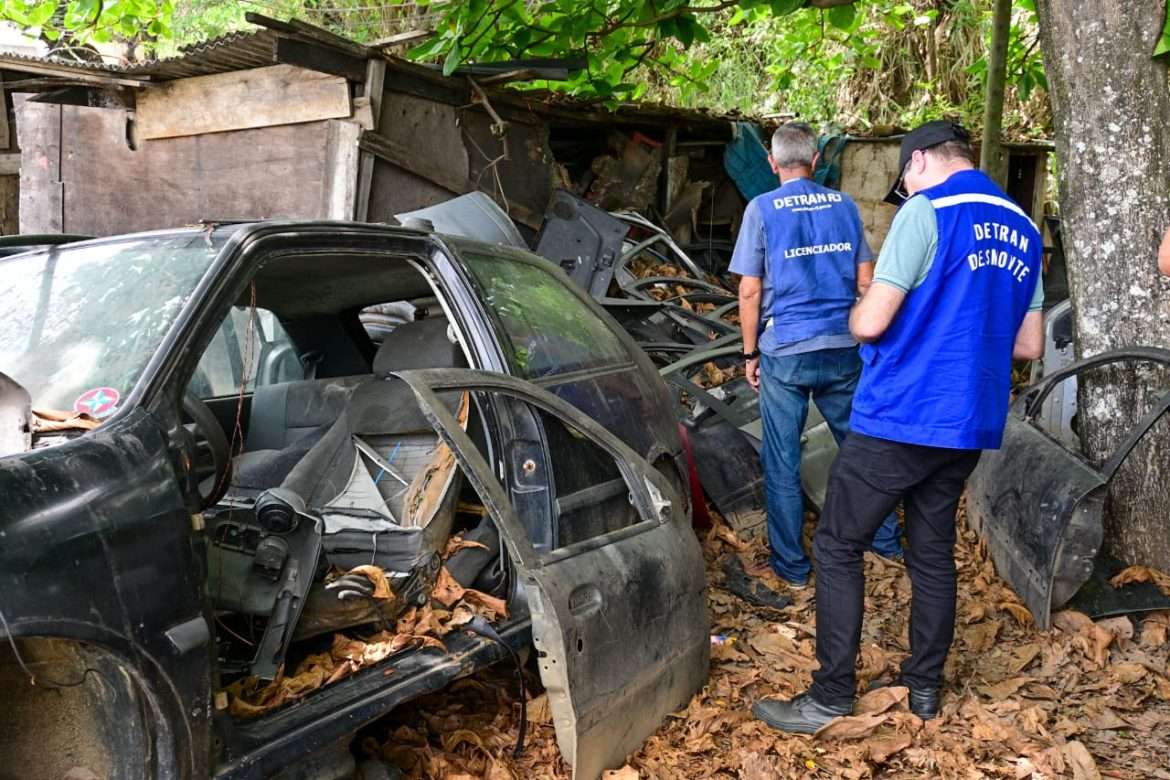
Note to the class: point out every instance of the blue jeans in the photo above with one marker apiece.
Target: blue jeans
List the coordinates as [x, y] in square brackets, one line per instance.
[829, 377]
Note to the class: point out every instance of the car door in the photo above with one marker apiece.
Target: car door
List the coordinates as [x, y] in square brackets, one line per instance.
[619, 619]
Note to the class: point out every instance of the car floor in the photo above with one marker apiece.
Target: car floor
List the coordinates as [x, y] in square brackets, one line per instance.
[1084, 700]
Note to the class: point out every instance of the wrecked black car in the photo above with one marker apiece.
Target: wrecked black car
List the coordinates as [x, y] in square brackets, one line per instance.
[239, 457]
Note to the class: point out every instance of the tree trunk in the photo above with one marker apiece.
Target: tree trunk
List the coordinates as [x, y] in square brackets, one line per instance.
[1110, 104]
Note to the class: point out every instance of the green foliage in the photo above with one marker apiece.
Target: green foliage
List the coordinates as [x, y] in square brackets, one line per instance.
[620, 41]
[1163, 46]
[89, 21]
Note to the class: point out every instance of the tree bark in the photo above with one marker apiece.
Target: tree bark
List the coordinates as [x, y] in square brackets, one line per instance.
[1110, 103]
[991, 150]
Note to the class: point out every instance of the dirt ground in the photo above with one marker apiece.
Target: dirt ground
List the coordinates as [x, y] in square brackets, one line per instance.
[1084, 700]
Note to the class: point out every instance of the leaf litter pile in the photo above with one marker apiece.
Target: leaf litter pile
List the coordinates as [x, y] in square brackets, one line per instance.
[1084, 700]
[449, 607]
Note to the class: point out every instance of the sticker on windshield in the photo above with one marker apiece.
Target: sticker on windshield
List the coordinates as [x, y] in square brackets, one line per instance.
[97, 402]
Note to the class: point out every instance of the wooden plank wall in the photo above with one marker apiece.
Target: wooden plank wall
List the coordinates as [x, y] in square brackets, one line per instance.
[239, 100]
[9, 166]
[451, 151]
[80, 175]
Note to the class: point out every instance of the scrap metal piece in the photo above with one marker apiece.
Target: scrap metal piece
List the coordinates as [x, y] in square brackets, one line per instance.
[15, 417]
[474, 215]
[1039, 504]
[657, 236]
[583, 240]
[1097, 598]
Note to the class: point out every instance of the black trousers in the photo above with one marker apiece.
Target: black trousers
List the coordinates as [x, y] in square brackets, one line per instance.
[867, 480]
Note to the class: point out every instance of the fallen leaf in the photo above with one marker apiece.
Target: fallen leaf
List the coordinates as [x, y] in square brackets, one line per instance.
[1153, 633]
[1120, 627]
[1106, 719]
[1005, 688]
[1134, 574]
[627, 772]
[1128, 673]
[1022, 614]
[539, 710]
[1161, 687]
[446, 590]
[1081, 761]
[771, 643]
[490, 607]
[457, 543]
[981, 637]
[1095, 639]
[1021, 657]
[879, 700]
[850, 727]
[879, 751]
[375, 575]
[756, 766]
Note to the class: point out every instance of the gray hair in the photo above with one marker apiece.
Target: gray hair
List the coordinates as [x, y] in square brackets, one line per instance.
[794, 145]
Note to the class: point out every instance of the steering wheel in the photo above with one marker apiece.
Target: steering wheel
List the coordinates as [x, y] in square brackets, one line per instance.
[212, 432]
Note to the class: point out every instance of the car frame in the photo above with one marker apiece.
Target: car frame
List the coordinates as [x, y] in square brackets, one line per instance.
[103, 555]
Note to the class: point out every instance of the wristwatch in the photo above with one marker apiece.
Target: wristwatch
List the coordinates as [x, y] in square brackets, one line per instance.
[755, 353]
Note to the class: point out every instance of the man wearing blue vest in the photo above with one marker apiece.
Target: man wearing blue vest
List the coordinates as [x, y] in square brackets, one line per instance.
[956, 294]
[803, 259]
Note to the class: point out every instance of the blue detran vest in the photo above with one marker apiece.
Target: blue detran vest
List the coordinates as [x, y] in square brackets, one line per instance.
[941, 374]
[813, 235]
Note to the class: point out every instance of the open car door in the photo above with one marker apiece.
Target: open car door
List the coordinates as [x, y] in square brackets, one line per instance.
[619, 620]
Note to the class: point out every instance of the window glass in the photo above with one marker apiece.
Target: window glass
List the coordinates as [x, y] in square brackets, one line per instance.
[592, 497]
[551, 331]
[250, 348]
[78, 324]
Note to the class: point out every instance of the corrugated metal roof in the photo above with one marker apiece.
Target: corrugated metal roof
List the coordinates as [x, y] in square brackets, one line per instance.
[234, 51]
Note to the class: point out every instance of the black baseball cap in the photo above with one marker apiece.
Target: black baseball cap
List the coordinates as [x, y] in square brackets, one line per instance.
[920, 139]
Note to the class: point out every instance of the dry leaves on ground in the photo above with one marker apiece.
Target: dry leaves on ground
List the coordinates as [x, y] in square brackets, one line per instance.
[1084, 700]
[451, 605]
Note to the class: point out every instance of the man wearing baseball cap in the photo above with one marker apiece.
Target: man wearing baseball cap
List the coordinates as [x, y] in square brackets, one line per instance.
[956, 294]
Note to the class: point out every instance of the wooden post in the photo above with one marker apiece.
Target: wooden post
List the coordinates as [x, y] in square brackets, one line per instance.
[375, 85]
[991, 154]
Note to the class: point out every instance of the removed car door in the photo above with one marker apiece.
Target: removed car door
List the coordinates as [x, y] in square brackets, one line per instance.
[619, 620]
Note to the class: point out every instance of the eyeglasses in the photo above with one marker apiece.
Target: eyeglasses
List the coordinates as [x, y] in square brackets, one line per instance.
[900, 191]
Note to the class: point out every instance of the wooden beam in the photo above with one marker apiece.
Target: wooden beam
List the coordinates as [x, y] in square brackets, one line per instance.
[341, 162]
[401, 39]
[398, 155]
[10, 164]
[5, 130]
[323, 59]
[76, 75]
[261, 97]
[305, 30]
[374, 88]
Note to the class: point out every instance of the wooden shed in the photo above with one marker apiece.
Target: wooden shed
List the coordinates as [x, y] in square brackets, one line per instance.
[292, 121]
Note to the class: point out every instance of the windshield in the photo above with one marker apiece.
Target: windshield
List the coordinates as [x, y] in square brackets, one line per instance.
[79, 324]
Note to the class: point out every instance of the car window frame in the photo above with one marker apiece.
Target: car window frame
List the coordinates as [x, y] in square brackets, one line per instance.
[512, 255]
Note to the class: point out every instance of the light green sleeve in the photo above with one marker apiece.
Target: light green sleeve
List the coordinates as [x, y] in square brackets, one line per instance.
[908, 251]
[1037, 303]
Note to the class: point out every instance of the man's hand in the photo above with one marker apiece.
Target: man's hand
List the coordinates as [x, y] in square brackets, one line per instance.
[872, 315]
[751, 370]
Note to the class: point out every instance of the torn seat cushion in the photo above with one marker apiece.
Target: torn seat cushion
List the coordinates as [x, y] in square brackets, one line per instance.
[366, 506]
[289, 418]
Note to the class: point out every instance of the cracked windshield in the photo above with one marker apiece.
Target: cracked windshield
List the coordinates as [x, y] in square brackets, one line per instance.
[79, 325]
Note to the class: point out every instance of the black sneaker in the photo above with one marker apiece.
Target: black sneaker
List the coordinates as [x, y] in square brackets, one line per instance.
[923, 702]
[801, 715]
[750, 589]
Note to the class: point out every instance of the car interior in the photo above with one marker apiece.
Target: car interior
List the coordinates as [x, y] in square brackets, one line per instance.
[333, 465]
